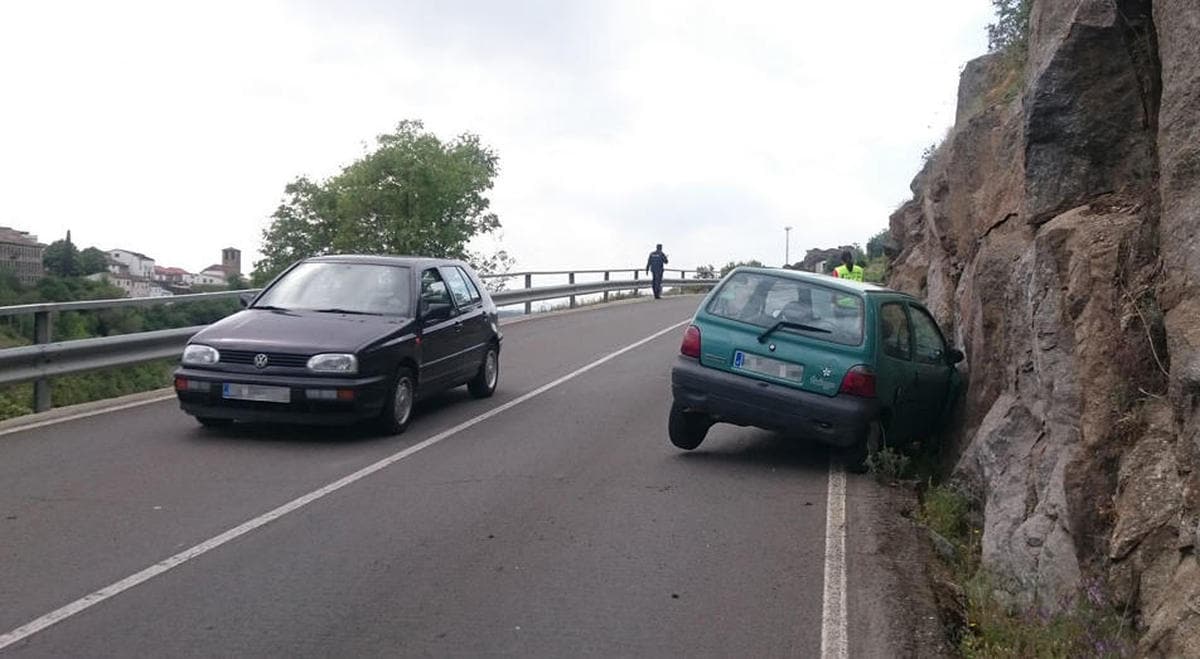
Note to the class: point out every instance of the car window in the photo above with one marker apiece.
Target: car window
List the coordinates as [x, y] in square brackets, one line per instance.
[456, 281]
[894, 334]
[433, 288]
[763, 300]
[928, 345]
[342, 287]
[475, 296]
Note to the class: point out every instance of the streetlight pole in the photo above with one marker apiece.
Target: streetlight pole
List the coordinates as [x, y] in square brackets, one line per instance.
[787, 246]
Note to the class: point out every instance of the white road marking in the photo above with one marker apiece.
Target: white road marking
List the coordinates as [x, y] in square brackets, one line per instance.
[86, 602]
[834, 644]
[84, 415]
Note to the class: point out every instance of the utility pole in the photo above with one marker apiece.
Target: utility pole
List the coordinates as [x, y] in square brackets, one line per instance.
[787, 245]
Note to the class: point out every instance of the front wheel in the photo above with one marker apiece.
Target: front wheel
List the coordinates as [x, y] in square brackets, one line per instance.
[687, 429]
[483, 385]
[398, 409]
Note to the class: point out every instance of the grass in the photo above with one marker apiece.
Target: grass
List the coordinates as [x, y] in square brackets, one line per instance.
[1086, 625]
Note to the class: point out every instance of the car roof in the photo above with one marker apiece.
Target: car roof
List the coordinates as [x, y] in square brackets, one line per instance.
[828, 281]
[415, 262]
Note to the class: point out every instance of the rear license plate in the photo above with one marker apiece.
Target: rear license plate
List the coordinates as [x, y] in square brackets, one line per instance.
[257, 393]
[767, 366]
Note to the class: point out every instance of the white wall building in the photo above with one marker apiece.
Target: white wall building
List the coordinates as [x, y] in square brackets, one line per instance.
[133, 286]
[139, 265]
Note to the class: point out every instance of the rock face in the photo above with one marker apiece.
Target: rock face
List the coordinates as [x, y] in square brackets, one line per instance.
[1056, 233]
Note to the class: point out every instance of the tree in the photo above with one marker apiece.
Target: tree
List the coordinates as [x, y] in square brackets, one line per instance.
[236, 282]
[728, 267]
[877, 243]
[1010, 32]
[413, 194]
[91, 261]
[60, 258]
[706, 272]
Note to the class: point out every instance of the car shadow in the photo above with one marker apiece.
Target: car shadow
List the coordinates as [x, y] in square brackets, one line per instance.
[361, 433]
[747, 447]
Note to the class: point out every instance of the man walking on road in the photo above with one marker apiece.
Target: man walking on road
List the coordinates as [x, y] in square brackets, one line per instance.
[654, 265]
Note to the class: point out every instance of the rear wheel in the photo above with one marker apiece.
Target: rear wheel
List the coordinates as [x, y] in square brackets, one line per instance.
[859, 458]
[687, 429]
[398, 409]
[211, 422]
[484, 383]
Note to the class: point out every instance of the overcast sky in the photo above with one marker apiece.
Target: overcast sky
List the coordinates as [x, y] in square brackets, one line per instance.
[171, 128]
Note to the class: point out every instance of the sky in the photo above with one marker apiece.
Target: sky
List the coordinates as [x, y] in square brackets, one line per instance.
[172, 128]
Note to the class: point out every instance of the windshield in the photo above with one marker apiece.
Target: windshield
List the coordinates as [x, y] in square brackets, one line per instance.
[815, 311]
[342, 288]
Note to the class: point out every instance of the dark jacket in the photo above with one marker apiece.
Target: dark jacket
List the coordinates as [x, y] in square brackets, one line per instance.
[656, 262]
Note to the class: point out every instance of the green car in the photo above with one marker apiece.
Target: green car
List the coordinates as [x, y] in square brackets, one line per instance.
[840, 362]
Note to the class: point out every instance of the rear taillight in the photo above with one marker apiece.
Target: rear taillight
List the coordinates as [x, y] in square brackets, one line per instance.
[691, 342]
[859, 381]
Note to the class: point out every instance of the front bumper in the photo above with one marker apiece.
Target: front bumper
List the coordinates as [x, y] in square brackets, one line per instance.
[370, 393]
[835, 420]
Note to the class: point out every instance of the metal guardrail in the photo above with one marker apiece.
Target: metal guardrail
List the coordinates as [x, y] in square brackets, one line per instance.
[46, 359]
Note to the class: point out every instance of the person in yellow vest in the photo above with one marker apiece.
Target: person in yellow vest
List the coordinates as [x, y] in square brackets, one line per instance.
[847, 270]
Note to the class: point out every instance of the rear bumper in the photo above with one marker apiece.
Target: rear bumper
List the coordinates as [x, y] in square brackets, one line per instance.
[838, 420]
[369, 396]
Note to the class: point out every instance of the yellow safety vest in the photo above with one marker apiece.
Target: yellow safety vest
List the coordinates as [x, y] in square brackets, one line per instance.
[855, 274]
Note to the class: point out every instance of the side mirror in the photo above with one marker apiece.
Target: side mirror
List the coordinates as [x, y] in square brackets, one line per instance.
[435, 311]
[246, 299]
[954, 356]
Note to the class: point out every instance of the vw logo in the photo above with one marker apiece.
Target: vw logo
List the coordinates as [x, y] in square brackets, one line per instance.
[260, 360]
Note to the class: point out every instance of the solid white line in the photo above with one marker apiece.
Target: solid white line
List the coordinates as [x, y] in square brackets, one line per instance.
[88, 601]
[834, 644]
[84, 415]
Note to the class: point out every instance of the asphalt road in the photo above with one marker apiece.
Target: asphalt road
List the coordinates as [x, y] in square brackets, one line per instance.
[566, 525]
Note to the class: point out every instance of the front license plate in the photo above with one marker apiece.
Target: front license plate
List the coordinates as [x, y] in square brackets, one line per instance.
[767, 366]
[257, 393]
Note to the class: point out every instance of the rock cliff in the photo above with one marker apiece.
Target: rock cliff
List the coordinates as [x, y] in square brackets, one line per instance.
[1056, 232]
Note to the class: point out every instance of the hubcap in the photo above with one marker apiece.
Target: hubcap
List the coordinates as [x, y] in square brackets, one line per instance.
[490, 372]
[402, 405]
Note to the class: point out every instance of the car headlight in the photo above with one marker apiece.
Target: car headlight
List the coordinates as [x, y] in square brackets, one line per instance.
[333, 363]
[198, 355]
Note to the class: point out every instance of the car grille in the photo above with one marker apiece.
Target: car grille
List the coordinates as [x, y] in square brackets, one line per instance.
[280, 359]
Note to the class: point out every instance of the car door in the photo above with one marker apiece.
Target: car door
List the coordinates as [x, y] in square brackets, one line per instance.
[895, 369]
[439, 332]
[932, 384]
[471, 327]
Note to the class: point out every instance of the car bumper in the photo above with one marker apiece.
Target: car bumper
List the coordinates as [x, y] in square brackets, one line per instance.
[836, 420]
[368, 398]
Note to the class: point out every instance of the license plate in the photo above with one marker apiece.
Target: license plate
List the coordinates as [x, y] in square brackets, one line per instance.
[767, 366]
[257, 393]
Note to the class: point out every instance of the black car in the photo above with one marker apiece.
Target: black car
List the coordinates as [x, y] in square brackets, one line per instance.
[342, 339]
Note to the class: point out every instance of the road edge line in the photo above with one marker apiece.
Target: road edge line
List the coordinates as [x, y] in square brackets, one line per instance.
[834, 642]
[33, 424]
[92, 599]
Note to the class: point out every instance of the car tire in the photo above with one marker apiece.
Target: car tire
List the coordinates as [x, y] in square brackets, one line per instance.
[212, 422]
[859, 459]
[687, 429]
[398, 408]
[483, 385]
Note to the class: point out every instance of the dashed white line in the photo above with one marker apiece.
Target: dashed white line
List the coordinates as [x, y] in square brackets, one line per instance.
[86, 602]
[834, 643]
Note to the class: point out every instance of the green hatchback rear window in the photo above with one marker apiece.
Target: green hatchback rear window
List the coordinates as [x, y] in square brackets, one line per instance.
[763, 300]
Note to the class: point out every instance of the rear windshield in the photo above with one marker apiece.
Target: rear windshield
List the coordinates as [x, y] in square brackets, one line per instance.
[763, 300]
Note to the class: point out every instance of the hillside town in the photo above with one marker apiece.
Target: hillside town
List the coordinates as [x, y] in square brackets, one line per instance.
[138, 275]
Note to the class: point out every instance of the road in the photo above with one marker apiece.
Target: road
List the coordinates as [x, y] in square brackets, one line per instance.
[561, 524]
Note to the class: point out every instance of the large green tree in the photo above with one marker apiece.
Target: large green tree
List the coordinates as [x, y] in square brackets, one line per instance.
[412, 194]
[91, 261]
[61, 258]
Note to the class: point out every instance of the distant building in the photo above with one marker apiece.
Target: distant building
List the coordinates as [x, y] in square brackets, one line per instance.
[173, 276]
[139, 265]
[21, 254]
[231, 261]
[133, 286]
[213, 275]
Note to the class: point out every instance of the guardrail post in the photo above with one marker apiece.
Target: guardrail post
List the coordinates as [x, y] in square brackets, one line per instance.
[41, 387]
[528, 284]
[637, 274]
[571, 281]
[606, 292]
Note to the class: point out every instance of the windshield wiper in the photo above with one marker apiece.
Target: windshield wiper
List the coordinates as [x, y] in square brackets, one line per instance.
[346, 311]
[267, 307]
[762, 338]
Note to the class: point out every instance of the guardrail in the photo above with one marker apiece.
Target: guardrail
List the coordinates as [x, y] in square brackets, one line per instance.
[46, 359]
